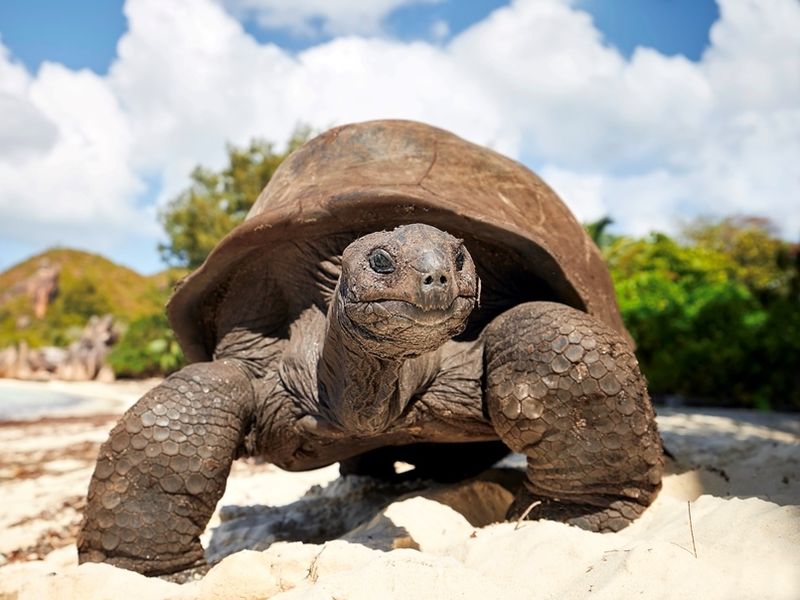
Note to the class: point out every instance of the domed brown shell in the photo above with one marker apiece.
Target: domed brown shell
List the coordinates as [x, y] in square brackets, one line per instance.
[376, 175]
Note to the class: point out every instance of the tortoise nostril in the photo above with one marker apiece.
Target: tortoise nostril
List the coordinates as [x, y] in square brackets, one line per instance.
[433, 282]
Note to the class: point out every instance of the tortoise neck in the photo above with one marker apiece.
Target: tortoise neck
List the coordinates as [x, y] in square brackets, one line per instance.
[359, 391]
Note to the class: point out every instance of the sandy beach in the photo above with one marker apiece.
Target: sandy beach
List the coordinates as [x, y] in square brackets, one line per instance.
[726, 524]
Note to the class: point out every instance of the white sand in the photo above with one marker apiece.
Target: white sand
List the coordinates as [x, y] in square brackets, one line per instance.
[741, 472]
[97, 397]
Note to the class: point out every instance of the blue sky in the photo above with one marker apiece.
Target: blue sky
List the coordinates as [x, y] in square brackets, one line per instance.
[84, 33]
[617, 103]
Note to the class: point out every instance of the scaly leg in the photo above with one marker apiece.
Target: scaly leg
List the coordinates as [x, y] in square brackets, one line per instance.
[565, 389]
[163, 469]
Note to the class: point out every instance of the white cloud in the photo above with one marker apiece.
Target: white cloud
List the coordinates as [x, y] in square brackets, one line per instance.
[647, 140]
[24, 129]
[74, 181]
[586, 192]
[637, 204]
[580, 102]
[751, 167]
[652, 139]
[352, 79]
[314, 17]
[440, 29]
[189, 80]
[754, 59]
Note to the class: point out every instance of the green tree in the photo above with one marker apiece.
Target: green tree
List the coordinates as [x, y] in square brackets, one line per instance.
[597, 230]
[762, 261]
[217, 201]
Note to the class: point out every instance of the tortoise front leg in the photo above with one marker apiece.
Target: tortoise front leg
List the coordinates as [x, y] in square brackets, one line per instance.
[565, 389]
[164, 467]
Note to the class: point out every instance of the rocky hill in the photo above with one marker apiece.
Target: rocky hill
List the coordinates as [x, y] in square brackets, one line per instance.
[47, 299]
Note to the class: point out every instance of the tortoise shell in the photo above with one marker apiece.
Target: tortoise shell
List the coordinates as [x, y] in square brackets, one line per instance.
[374, 176]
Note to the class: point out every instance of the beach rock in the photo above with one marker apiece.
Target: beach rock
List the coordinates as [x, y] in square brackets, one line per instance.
[43, 287]
[83, 360]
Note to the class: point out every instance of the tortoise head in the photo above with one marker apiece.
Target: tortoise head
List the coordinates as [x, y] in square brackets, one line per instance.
[406, 292]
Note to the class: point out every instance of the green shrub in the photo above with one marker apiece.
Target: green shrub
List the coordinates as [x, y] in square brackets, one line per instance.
[718, 323]
[147, 348]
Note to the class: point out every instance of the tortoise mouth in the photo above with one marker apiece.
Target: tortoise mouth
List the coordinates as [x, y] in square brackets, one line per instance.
[381, 310]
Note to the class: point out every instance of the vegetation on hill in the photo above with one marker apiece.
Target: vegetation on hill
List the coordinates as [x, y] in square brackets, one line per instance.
[88, 284]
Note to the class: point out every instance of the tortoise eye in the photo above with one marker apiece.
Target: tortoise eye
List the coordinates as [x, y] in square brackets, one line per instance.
[380, 261]
[460, 259]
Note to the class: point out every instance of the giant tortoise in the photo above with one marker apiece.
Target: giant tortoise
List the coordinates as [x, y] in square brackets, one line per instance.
[395, 294]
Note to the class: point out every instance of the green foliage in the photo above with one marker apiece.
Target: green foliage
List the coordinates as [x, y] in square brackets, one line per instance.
[216, 202]
[760, 258]
[83, 300]
[715, 319]
[147, 348]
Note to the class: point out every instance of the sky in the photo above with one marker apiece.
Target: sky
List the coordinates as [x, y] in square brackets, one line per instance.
[653, 112]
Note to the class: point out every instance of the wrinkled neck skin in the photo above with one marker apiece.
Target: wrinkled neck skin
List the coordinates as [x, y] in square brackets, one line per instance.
[359, 390]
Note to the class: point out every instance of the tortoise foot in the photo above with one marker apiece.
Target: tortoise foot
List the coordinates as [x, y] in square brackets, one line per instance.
[616, 515]
[565, 390]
